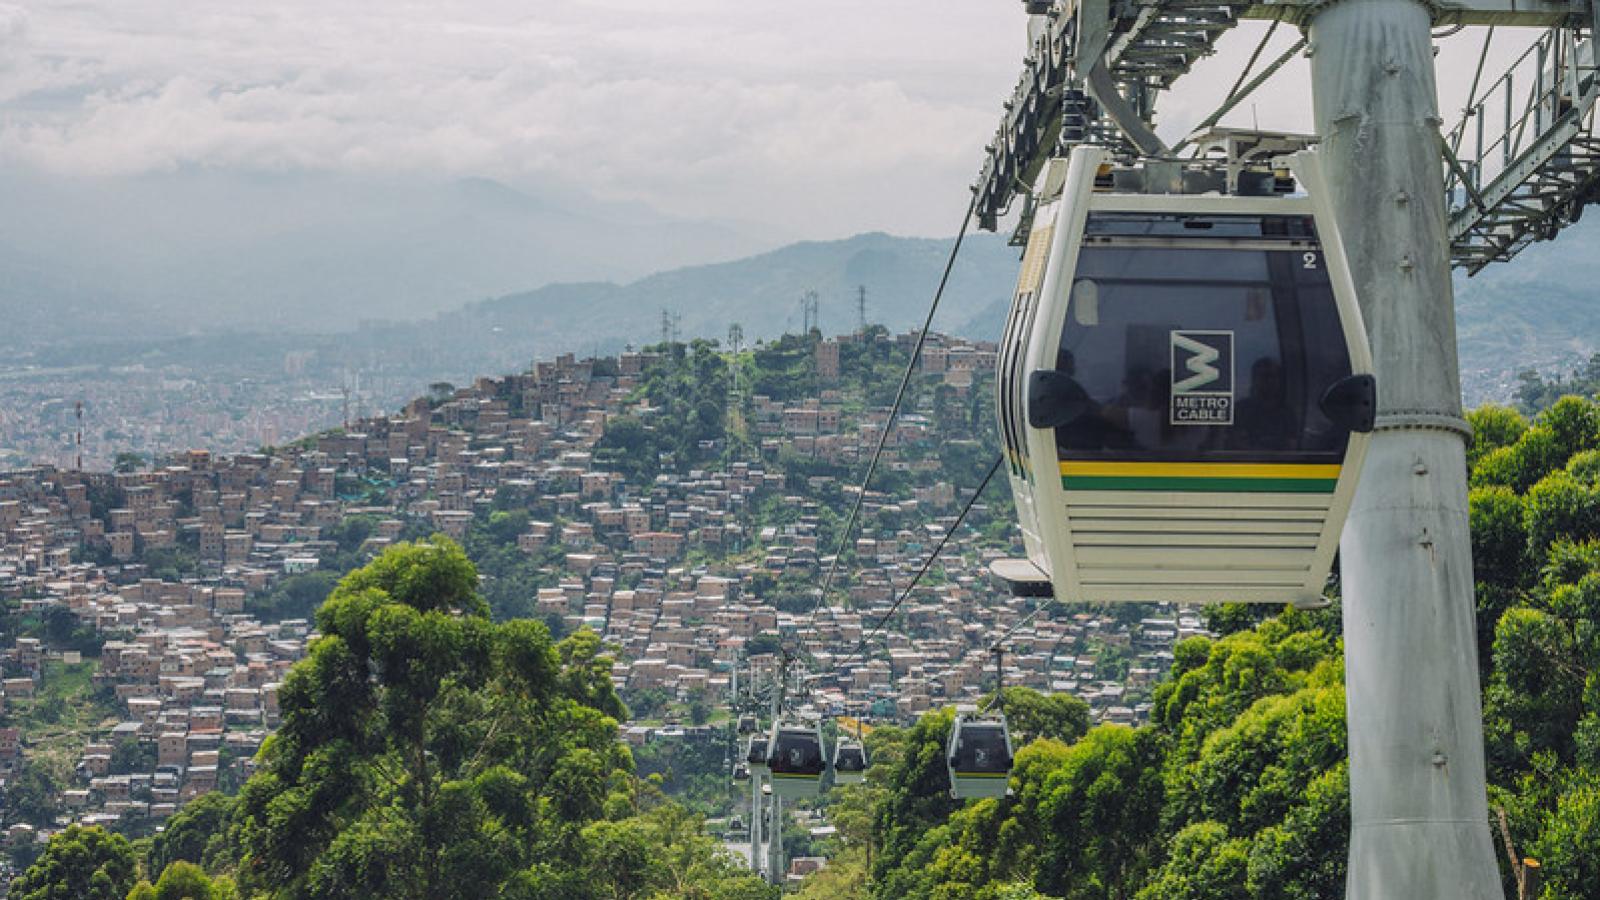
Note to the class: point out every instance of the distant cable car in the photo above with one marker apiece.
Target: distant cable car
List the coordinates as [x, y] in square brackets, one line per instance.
[795, 760]
[979, 756]
[741, 772]
[755, 755]
[747, 724]
[1184, 389]
[849, 762]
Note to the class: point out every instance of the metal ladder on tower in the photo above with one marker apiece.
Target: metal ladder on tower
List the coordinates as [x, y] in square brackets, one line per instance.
[1523, 181]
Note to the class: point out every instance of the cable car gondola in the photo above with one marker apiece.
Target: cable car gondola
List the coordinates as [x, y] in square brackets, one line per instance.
[979, 756]
[747, 724]
[755, 755]
[741, 772]
[796, 761]
[1184, 389]
[849, 762]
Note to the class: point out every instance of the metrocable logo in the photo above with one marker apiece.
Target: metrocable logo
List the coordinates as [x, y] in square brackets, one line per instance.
[1202, 378]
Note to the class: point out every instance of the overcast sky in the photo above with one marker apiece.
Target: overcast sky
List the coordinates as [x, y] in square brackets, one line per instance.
[817, 117]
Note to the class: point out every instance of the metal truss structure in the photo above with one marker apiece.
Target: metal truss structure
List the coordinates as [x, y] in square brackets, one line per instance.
[1524, 159]
[1520, 165]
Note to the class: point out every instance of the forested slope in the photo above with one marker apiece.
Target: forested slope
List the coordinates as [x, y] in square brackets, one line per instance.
[1238, 786]
[426, 752]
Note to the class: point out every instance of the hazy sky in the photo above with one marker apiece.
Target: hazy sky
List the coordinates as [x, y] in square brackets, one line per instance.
[818, 117]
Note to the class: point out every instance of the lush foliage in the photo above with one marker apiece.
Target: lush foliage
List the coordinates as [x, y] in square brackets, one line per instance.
[425, 752]
[79, 864]
[1238, 787]
[1535, 393]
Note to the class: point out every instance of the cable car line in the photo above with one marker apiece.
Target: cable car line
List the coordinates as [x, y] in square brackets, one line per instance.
[894, 410]
[1251, 62]
[1240, 92]
[926, 563]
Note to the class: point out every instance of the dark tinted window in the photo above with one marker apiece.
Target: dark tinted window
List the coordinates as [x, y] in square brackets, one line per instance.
[850, 759]
[981, 748]
[797, 752]
[1202, 347]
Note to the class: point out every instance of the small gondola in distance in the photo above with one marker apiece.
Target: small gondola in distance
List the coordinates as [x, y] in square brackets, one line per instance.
[979, 756]
[755, 754]
[1184, 390]
[849, 762]
[796, 760]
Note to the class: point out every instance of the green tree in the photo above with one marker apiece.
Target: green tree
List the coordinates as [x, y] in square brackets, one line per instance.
[1203, 863]
[1499, 537]
[426, 752]
[34, 795]
[132, 756]
[198, 833]
[1030, 714]
[127, 461]
[1568, 846]
[1493, 427]
[184, 881]
[294, 597]
[79, 864]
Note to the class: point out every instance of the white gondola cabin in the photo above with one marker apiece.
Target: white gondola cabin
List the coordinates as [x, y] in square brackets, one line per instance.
[755, 755]
[979, 756]
[849, 762]
[1184, 391]
[796, 760]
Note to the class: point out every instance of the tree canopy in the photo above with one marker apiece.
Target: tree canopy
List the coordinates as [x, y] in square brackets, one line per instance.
[428, 752]
[1238, 786]
[79, 864]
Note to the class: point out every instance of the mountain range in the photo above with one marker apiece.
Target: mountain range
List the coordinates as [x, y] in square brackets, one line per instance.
[385, 270]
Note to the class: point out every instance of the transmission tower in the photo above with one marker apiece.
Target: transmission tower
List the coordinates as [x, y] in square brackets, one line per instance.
[861, 309]
[808, 312]
[1521, 164]
[669, 325]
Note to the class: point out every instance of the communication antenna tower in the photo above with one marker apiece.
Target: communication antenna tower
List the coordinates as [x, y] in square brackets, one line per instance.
[78, 465]
[669, 326]
[808, 310]
[1522, 163]
[861, 309]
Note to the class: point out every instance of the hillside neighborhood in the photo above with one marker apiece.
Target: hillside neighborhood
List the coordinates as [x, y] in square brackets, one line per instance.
[149, 584]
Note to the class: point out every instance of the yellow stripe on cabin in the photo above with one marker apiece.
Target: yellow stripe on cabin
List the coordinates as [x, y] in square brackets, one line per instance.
[1100, 469]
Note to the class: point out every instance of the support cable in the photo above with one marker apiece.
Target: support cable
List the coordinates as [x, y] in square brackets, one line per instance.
[1049, 602]
[894, 410]
[926, 564]
[1239, 96]
[1251, 62]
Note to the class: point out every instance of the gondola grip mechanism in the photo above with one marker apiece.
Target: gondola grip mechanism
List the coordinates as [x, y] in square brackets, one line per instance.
[1351, 402]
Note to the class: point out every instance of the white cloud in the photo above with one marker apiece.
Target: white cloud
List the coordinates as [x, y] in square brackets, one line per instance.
[813, 115]
[823, 117]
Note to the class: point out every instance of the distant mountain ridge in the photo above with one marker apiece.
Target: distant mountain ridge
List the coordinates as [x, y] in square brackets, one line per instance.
[763, 293]
[760, 293]
[1540, 311]
[197, 250]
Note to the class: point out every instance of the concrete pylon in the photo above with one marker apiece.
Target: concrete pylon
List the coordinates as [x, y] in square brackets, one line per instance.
[1419, 806]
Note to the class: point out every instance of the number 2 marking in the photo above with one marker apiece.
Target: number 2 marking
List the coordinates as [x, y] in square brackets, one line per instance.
[1310, 260]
